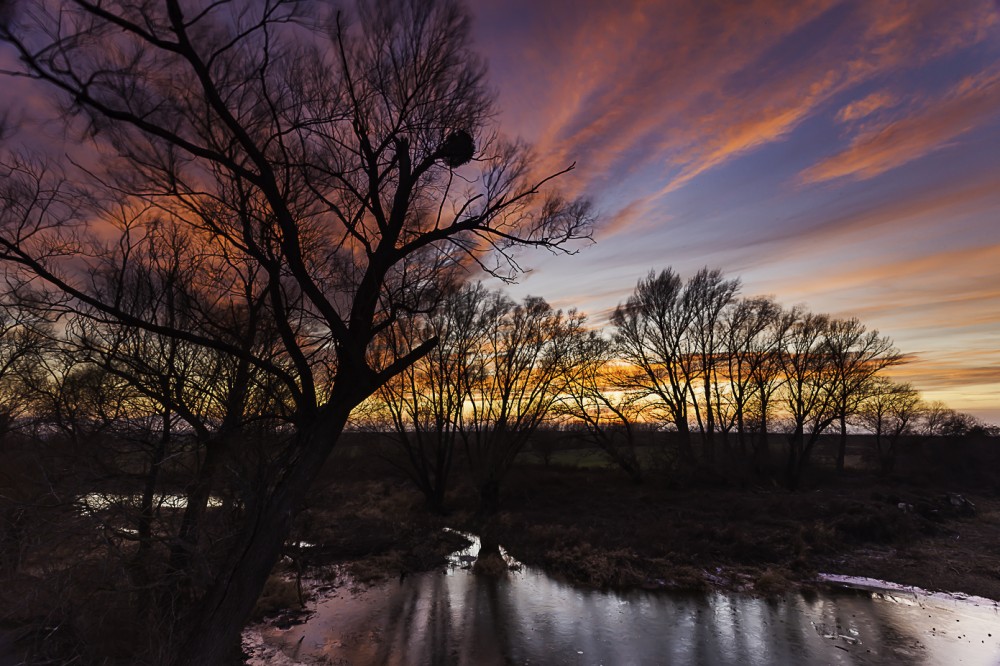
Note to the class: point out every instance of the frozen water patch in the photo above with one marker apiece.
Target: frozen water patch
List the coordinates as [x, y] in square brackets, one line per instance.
[466, 557]
[909, 595]
[260, 653]
[101, 501]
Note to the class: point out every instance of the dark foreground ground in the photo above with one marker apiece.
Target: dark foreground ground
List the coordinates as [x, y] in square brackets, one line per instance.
[593, 527]
[576, 519]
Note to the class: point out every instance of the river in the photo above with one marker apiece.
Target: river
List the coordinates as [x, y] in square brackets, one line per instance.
[528, 617]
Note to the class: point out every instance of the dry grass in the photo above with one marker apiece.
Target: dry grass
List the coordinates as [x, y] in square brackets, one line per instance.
[280, 593]
[772, 583]
[595, 528]
[490, 566]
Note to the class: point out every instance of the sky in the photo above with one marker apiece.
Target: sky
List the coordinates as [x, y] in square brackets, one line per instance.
[842, 155]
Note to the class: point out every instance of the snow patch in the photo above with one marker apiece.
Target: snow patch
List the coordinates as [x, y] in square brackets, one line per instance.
[903, 594]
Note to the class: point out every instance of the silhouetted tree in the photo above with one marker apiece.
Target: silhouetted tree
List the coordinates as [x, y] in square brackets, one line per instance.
[889, 411]
[23, 346]
[706, 297]
[857, 356]
[752, 344]
[651, 334]
[426, 401]
[316, 159]
[806, 394]
[518, 367]
[598, 397]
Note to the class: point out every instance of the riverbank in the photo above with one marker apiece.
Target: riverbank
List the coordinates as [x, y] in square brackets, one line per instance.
[601, 531]
[594, 528]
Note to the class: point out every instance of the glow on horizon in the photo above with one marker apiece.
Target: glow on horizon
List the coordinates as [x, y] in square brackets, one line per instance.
[840, 154]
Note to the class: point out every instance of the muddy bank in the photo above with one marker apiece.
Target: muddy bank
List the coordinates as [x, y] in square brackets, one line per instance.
[595, 528]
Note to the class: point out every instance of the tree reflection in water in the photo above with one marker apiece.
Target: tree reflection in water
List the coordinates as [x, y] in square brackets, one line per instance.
[457, 617]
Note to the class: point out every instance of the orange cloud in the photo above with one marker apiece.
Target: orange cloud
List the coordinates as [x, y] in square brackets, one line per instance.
[972, 102]
[926, 288]
[948, 371]
[866, 106]
[673, 90]
[633, 214]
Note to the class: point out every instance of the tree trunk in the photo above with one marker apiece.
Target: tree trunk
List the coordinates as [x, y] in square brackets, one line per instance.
[435, 499]
[489, 498]
[796, 454]
[791, 469]
[145, 525]
[629, 464]
[684, 437]
[762, 447]
[887, 459]
[213, 636]
[198, 494]
[144, 528]
[741, 435]
[709, 440]
[842, 445]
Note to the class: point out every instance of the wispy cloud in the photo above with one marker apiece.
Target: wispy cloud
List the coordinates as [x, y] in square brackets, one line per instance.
[949, 371]
[876, 149]
[866, 106]
[674, 90]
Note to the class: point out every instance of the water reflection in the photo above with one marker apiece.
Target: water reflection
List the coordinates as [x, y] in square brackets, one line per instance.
[456, 617]
[104, 501]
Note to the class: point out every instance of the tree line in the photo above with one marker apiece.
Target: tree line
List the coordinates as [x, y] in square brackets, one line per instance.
[730, 378]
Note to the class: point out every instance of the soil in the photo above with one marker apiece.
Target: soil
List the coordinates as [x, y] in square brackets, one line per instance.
[594, 527]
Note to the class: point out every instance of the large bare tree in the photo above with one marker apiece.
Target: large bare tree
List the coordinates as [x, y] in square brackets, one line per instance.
[330, 167]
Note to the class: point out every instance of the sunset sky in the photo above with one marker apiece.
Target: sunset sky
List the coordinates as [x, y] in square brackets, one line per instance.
[840, 155]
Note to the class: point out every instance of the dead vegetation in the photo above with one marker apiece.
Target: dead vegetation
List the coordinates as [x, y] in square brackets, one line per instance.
[598, 529]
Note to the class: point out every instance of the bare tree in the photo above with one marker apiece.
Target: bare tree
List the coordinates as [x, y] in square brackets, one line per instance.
[889, 411]
[23, 346]
[317, 163]
[857, 355]
[751, 344]
[426, 401]
[939, 420]
[518, 368]
[599, 398]
[198, 390]
[767, 371]
[706, 297]
[806, 394]
[651, 330]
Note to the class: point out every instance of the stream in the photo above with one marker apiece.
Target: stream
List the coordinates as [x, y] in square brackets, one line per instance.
[529, 617]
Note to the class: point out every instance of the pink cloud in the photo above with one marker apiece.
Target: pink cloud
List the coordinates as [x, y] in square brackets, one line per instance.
[866, 106]
[676, 89]
[876, 149]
